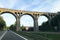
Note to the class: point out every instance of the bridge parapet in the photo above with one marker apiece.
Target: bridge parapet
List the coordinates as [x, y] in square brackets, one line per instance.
[21, 11]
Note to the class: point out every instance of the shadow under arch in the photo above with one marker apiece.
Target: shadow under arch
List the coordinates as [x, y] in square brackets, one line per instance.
[8, 13]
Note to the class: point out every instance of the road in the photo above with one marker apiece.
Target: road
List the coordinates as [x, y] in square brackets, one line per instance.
[11, 36]
[1, 32]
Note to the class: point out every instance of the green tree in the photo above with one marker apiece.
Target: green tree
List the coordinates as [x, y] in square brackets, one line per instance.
[56, 21]
[12, 27]
[2, 23]
[44, 26]
[22, 27]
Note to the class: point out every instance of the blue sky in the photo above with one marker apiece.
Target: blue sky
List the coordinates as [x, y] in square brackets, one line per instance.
[29, 5]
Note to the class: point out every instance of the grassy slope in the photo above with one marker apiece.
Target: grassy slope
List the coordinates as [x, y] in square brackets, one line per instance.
[54, 36]
[40, 36]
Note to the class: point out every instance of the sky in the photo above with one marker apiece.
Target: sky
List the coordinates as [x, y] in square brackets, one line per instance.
[29, 5]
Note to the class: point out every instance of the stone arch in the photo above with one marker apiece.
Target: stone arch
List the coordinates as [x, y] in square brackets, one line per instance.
[9, 13]
[2, 13]
[29, 15]
[45, 16]
[32, 19]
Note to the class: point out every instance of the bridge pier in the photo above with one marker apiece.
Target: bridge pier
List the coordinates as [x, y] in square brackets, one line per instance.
[58, 25]
[18, 23]
[36, 28]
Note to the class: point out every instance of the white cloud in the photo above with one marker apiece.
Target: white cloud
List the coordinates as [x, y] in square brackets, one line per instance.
[56, 6]
[1, 6]
[24, 7]
[48, 6]
[49, 1]
[35, 2]
[39, 8]
[8, 3]
[39, 5]
[12, 3]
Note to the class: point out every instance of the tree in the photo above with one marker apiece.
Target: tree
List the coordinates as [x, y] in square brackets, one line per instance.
[55, 22]
[44, 26]
[12, 27]
[2, 23]
[22, 27]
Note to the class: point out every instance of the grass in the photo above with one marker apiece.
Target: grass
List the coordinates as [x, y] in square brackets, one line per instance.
[54, 36]
[40, 36]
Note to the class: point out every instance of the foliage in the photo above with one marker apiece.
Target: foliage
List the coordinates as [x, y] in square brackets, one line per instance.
[22, 27]
[2, 23]
[56, 21]
[31, 29]
[45, 26]
[12, 27]
[54, 24]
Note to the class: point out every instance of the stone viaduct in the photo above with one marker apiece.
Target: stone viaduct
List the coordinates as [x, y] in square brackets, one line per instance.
[34, 15]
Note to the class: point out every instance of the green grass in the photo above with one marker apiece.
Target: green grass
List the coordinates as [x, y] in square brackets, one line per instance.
[54, 36]
[40, 36]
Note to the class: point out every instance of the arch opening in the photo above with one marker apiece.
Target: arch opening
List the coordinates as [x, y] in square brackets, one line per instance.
[42, 19]
[8, 13]
[9, 18]
[27, 20]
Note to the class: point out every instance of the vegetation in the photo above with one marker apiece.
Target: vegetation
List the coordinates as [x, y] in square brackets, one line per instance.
[22, 27]
[40, 35]
[46, 27]
[2, 23]
[54, 24]
[12, 27]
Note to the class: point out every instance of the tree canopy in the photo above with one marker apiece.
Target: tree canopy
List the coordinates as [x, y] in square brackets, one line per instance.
[2, 23]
